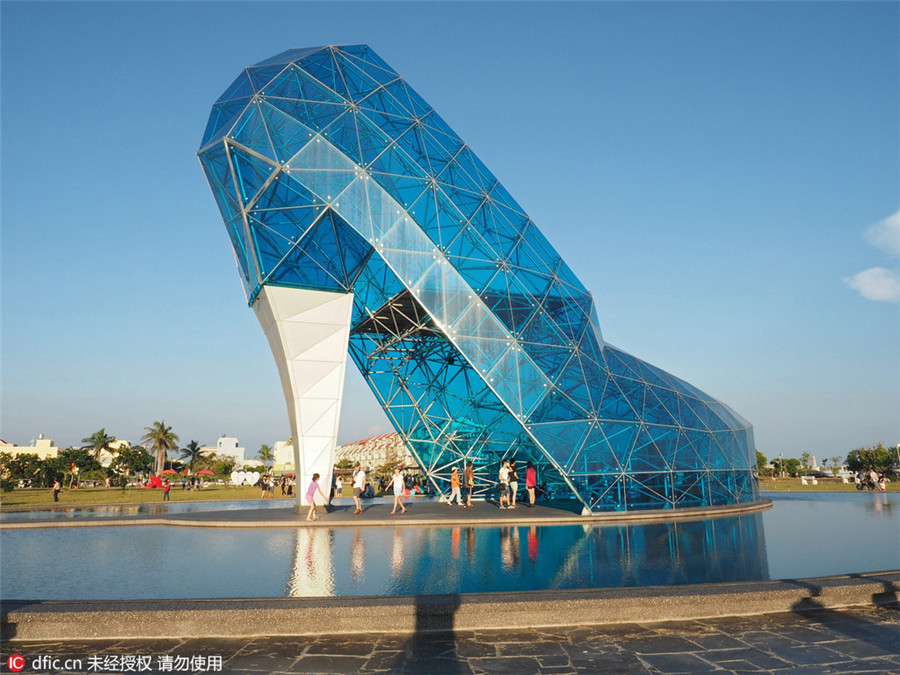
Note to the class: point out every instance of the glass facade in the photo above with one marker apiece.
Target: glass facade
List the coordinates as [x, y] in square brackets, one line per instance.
[331, 173]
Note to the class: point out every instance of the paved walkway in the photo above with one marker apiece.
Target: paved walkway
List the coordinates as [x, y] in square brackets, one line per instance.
[421, 511]
[856, 640]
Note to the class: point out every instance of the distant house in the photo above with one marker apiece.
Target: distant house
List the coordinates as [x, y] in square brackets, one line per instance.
[284, 457]
[377, 451]
[42, 447]
[227, 447]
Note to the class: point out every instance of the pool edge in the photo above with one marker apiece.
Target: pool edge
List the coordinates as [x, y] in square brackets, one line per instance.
[254, 617]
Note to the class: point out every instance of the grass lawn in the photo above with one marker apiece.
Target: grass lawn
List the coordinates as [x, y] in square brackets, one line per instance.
[114, 495]
[99, 496]
[825, 485]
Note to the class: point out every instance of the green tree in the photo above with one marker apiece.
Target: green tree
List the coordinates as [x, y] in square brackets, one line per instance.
[57, 468]
[160, 440]
[98, 442]
[222, 467]
[191, 454]
[761, 462]
[344, 464]
[83, 458]
[24, 466]
[804, 460]
[266, 455]
[876, 458]
[835, 465]
[132, 460]
[792, 466]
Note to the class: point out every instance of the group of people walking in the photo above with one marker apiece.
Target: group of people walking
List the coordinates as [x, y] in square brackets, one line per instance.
[461, 487]
[507, 485]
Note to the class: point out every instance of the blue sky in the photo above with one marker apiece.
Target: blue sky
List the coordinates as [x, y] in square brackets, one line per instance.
[723, 177]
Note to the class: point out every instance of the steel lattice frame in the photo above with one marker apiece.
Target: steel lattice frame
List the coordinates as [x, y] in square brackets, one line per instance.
[332, 173]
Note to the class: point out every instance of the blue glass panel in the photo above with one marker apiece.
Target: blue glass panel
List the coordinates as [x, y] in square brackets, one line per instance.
[287, 135]
[453, 174]
[620, 438]
[251, 173]
[316, 115]
[359, 82]
[561, 440]
[369, 62]
[344, 134]
[295, 84]
[557, 407]
[654, 411]
[596, 456]
[686, 456]
[218, 172]
[222, 117]
[242, 88]
[237, 235]
[386, 113]
[251, 132]
[412, 144]
[648, 491]
[398, 176]
[615, 405]
[260, 76]
[289, 225]
[322, 67]
[687, 488]
[372, 139]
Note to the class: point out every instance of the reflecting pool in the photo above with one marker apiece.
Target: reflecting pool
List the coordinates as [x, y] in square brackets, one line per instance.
[803, 535]
[146, 509]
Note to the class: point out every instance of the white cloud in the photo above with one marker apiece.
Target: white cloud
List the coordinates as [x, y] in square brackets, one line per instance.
[876, 284]
[885, 235]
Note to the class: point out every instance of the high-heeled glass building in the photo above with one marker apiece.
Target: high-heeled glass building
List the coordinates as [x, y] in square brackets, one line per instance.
[362, 223]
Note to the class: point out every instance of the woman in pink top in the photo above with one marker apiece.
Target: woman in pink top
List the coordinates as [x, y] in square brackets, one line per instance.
[530, 483]
[311, 497]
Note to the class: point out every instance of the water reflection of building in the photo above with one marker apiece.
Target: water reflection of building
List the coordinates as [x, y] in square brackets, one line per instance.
[411, 561]
[397, 553]
[312, 572]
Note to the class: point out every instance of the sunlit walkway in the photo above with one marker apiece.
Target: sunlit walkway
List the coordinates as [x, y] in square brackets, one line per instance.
[858, 640]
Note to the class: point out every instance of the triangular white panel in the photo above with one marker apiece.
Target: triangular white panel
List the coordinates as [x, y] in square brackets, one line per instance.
[286, 302]
[327, 347]
[307, 374]
[312, 409]
[325, 425]
[326, 312]
[327, 385]
[299, 338]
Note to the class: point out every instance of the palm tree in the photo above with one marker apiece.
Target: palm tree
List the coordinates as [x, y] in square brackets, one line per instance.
[191, 453]
[98, 442]
[266, 455]
[160, 439]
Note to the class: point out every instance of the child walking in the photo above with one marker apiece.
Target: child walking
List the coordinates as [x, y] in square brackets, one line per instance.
[311, 497]
[454, 488]
[398, 491]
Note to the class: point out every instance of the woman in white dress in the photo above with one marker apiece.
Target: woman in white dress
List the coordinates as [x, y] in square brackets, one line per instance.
[398, 491]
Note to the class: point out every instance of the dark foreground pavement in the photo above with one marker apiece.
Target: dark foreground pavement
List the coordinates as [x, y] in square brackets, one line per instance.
[851, 640]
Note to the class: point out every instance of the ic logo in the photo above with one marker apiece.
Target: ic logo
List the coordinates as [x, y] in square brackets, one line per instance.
[15, 662]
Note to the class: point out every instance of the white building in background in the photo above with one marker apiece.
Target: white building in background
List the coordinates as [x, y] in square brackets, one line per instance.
[42, 447]
[107, 456]
[228, 447]
[284, 457]
[377, 451]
